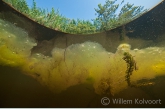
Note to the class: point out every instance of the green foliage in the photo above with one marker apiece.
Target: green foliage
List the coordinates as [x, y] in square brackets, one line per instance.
[129, 11]
[80, 26]
[20, 5]
[106, 17]
[131, 66]
[106, 14]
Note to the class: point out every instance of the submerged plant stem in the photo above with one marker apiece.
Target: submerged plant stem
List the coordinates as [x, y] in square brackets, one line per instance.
[131, 66]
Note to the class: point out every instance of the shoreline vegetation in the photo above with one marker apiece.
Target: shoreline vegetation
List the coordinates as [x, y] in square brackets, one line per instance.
[106, 17]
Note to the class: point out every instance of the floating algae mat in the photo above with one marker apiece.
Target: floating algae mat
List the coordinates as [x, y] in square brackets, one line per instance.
[82, 63]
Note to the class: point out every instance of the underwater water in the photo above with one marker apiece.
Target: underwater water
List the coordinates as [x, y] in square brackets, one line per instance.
[77, 76]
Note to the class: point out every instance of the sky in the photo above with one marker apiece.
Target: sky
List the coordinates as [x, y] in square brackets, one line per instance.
[84, 9]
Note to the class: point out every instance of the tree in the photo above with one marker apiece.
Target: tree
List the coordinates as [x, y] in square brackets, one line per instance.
[107, 17]
[106, 13]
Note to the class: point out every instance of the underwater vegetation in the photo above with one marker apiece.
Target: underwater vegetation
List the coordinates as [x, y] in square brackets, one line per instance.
[106, 17]
[83, 63]
[131, 65]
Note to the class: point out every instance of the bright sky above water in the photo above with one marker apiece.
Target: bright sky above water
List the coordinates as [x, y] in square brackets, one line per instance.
[84, 9]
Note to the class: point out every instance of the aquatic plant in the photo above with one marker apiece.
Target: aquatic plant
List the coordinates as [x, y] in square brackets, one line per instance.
[131, 66]
[106, 19]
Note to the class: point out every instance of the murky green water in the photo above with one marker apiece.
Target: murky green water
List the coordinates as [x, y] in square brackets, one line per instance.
[77, 76]
[19, 90]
